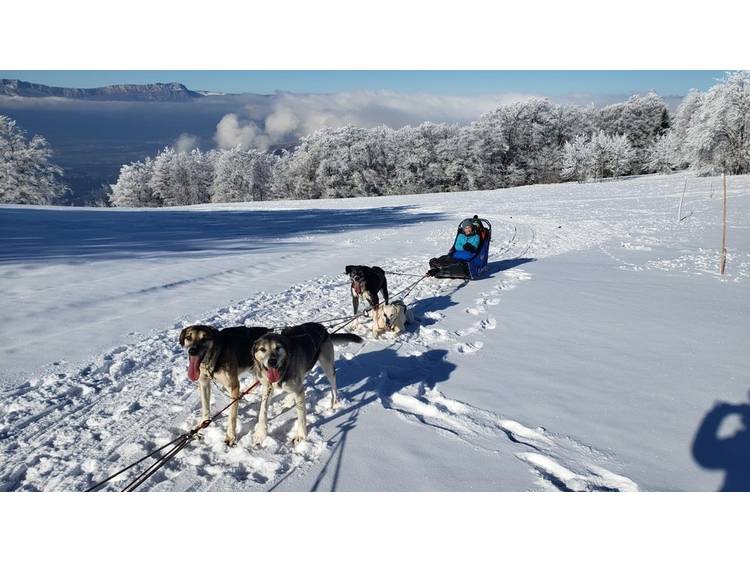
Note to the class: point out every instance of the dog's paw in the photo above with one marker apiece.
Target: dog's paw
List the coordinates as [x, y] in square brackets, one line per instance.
[230, 440]
[299, 438]
[288, 402]
[259, 436]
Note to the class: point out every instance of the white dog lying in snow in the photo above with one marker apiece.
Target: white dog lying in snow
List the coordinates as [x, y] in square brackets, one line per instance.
[391, 317]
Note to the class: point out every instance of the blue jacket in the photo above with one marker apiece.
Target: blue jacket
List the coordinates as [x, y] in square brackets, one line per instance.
[459, 253]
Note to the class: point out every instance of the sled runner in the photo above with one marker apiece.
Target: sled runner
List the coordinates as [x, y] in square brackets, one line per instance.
[470, 268]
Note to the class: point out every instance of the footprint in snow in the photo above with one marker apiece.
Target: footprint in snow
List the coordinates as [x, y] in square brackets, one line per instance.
[467, 347]
[488, 323]
[476, 311]
[433, 334]
[434, 315]
[556, 476]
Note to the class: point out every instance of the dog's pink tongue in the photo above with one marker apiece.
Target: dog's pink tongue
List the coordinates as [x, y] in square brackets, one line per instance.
[274, 375]
[194, 367]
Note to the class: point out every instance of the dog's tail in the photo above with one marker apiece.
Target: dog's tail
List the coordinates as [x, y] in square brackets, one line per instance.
[345, 338]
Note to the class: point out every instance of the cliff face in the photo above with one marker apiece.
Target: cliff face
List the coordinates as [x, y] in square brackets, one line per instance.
[118, 92]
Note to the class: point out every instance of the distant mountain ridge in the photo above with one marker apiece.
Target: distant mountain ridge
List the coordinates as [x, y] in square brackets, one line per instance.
[173, 91]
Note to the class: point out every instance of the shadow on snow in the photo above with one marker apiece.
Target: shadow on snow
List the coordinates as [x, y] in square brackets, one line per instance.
[730, 454]
[33, 235]
[504, 265]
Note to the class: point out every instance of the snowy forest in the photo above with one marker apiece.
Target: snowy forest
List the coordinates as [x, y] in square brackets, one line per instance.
[27, 174]
[527, 142]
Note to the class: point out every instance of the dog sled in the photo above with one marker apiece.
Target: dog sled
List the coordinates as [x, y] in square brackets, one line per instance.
[450, 267]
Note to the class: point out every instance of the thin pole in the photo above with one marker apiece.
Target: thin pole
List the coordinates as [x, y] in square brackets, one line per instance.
[723, 264]
[679, 211]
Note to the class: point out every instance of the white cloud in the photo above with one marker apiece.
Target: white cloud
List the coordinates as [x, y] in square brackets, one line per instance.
[302, 114]
[282, 121]
[185, 143]
[292, 116]
[232, 131]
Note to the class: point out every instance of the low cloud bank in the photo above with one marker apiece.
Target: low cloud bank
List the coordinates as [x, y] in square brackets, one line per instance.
[292, 116]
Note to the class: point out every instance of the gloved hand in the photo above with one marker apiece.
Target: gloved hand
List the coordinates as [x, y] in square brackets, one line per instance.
[469, 247]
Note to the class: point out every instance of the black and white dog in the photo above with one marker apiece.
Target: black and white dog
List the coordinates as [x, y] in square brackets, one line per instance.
[367, 282]
[220, 355]
[283, 360]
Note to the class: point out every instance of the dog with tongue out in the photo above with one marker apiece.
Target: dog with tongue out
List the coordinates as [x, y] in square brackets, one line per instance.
[220, 355]
[282, 361]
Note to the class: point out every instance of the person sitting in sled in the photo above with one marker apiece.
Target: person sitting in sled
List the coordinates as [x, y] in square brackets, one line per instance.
[467, 243]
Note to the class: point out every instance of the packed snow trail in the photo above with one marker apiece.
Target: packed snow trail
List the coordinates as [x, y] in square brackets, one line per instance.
[530, 378]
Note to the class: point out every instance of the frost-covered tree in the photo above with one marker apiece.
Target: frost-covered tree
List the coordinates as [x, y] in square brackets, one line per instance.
[133, 186]
[644, 119]
[601, 156]
[512, 144]
[344, 162]
[661, 157]
[680, 150]
[599, 147]
[423, 159]
[162, 179]
[576, 159]
[27, 176]
[717, 139]
[294, 175]
[182, 178]
[527, 142]
[242, 175]
[523, 142]
[461, 171]
[621, 155]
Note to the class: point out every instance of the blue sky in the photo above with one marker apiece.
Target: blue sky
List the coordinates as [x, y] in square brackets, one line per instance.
[460, 82]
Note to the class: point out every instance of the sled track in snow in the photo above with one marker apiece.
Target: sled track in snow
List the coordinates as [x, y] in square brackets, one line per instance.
[513, 241]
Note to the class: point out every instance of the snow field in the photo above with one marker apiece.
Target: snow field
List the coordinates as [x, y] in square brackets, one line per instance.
[483, 391]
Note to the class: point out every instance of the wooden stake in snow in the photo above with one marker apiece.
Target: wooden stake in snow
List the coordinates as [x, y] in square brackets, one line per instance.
[679, 210]
[723, 262]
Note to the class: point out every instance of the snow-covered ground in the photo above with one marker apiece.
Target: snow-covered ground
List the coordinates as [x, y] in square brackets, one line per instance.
[586, 360]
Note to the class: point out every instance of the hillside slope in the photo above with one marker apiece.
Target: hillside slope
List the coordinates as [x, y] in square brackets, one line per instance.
[586, 360]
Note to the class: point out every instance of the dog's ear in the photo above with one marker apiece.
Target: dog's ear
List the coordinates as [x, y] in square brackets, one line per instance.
[256, 345]
[183, 333]
[349, 269]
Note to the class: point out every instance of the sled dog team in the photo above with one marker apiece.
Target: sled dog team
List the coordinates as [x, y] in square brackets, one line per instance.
[281, 361]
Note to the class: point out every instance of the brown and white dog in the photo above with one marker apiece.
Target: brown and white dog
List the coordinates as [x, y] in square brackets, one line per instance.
[281, 361]
[220, 355]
